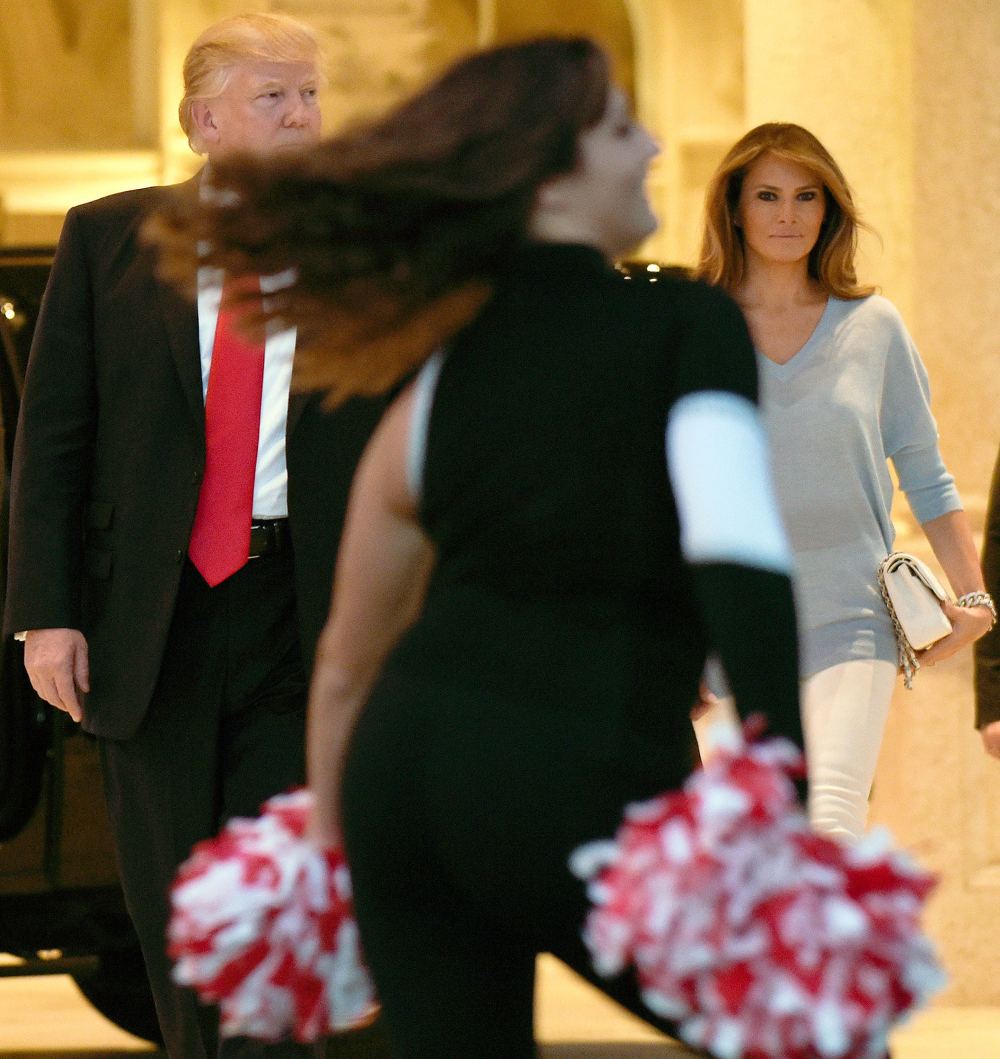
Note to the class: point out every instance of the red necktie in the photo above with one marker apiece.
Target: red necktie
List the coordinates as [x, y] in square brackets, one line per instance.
[220, 538]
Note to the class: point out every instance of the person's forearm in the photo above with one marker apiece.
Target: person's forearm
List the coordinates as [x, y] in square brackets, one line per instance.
[950, 538]
[749, 616]
[335, 701]
[349, 657]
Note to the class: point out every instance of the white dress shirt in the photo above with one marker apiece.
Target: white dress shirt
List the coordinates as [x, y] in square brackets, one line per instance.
[270, 487]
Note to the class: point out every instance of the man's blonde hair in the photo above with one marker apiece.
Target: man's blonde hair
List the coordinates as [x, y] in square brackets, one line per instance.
[253, 37]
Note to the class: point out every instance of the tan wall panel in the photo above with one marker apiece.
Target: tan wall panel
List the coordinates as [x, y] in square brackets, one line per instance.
[842, 69]
[956, 225]
[65, 75]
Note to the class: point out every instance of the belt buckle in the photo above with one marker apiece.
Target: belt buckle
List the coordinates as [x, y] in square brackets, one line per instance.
[269, 530]
[264, 530]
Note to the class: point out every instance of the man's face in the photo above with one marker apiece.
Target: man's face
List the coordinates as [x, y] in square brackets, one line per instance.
[267, 106]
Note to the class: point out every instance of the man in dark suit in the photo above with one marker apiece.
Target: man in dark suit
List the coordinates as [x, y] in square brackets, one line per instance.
[171, 555]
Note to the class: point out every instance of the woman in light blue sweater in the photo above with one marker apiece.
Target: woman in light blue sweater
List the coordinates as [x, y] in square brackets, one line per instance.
[843, 391]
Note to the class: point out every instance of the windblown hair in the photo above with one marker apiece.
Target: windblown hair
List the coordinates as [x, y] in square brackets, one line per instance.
[393, 233]
[253, 37]
[831, 262]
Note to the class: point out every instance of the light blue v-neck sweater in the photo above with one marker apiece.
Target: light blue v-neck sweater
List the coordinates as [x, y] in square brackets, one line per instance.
[855, 396]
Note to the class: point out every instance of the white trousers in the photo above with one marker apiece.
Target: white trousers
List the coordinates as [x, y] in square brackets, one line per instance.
[844, 709]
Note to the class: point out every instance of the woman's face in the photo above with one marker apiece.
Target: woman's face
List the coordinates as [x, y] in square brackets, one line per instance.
[602, 202]
[780, 211]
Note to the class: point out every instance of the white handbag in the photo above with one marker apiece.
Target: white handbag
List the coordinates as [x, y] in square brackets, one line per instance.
[913, 597]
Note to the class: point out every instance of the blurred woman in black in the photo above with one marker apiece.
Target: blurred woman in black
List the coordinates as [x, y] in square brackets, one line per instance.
[554, 523]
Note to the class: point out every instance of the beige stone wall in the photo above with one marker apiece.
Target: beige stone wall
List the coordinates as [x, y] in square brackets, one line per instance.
[47, 46]
[956, 225]
[935, 787]
[842, 69]
[690, 91]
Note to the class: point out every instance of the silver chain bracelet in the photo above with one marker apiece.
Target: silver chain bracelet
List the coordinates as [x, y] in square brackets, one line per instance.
[979, 599]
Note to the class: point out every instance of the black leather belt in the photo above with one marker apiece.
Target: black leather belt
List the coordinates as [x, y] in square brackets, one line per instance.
[268, 536]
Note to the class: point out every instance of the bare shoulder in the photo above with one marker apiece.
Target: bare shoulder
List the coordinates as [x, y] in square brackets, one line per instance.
[385, 461]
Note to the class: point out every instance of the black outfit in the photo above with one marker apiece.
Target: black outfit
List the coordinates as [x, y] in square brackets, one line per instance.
[987, 648]
[197, 694]
[549, 679]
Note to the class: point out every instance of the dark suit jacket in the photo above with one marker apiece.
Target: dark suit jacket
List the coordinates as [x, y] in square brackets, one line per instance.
[987, 649]
[109, 456]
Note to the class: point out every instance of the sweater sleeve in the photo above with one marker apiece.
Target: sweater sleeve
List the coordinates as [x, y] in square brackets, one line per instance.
[909, 433]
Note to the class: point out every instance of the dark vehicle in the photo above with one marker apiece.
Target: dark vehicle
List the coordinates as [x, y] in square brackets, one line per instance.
[61, 907]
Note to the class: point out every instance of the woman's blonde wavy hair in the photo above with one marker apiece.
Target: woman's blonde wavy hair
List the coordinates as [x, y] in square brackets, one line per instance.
[831, 263]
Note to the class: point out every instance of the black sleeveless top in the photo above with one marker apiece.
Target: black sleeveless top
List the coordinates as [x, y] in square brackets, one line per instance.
[559, 581]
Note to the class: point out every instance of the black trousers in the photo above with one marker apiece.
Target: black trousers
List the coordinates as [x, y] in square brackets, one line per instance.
[460, 812]
[225, 730]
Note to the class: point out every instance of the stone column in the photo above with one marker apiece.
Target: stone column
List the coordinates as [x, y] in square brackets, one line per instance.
[936, 788]
[841, 68]
[956, 226]
[690, 92]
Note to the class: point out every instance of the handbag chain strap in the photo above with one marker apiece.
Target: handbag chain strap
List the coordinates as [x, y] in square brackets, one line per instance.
[907, 657]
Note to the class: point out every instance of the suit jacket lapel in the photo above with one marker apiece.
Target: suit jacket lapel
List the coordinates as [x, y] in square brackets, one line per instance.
[297, 402]
[180, 319]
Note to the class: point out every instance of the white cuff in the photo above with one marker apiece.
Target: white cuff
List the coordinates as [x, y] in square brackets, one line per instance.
[719, 466]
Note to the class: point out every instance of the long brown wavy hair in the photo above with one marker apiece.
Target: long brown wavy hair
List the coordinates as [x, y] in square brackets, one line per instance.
[394, 232]
[831, 262]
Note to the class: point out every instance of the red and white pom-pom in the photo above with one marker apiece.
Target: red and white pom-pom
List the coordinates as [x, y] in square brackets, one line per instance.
[263, 926]
[760, 939]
